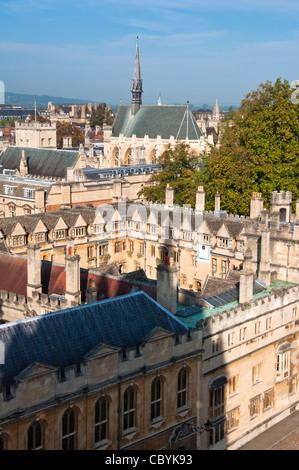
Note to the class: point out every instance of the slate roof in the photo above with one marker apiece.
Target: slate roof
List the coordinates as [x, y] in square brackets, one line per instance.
[122, 322]
[48, 163]
[166, 121]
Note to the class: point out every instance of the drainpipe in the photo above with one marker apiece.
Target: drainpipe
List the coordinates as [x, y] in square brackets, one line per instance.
[119, 415]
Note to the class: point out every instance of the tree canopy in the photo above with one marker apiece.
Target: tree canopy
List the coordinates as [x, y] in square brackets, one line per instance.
[178, 168]
[102, 115]
[259, 150]
[64, 129]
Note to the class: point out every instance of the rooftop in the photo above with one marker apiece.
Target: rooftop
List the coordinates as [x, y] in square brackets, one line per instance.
[224, 301]
[122, 322]
[165, 120]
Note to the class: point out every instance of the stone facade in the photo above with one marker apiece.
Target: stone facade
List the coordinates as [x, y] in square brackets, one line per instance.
[36, 134]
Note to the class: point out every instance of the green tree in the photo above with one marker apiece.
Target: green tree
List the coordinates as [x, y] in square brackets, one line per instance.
[178, 168]
[259, 150]
[65, 129]
[102, 115]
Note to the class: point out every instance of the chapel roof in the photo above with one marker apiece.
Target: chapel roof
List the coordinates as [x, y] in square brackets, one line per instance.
[165, 121]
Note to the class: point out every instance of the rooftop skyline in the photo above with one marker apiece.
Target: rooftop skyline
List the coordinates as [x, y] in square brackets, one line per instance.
[196, 51]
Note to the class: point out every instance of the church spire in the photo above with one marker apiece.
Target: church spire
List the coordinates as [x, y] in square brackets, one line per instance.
[136, 84]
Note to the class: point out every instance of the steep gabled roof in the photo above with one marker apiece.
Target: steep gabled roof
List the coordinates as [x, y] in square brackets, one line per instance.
[48, 163]
[64, 338]
[166, 121]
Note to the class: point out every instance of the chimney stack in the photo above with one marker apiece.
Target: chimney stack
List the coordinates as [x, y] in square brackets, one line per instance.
[33, 269]
[169, 196]
[167, 287]
[246, 287]
[72, 272]
[200, 199]
[217, 201]
[264, 273]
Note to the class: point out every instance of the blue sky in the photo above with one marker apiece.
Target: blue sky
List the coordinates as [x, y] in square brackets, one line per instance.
[196, 50]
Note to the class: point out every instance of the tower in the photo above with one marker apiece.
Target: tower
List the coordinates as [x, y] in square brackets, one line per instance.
[216, 111]
[136, 84]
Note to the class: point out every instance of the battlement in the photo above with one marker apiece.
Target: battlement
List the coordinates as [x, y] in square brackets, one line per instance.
[274, 302]
[17, 306]
[281, 196]
[35, 125]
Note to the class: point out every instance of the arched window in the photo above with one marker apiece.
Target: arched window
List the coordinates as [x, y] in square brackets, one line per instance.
[34, 437]
[129, 409]
[100, 420]
[182, 389]
[2, 443]
[156, 398]
[69, 430]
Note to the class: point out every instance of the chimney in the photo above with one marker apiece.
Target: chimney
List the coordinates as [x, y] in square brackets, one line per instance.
[33, 269]
[167, 287]
[91, 151]
[72, 271]
[264, 273]
[217, 201]
[23, 168]
[245, 287]
[169, 196]
[91, 292]
[200, 199]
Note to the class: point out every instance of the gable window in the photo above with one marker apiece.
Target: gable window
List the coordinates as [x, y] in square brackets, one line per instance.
[29, 193]
[58, 234]
[34, 438]
[12, 211]
[100, 418]
[16, 241]
[8, 190]
[78, 232]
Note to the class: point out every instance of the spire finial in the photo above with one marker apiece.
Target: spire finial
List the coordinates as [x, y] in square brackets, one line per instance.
[136, 83]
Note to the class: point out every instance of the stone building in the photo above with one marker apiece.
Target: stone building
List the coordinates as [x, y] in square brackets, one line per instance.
[36, 134]
[140, 132]
[109, 387]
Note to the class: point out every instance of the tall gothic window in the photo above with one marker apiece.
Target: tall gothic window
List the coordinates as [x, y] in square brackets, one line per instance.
[182, 389]
[156, 398]
[100, 418]
[69, 430]
[34, 438]
[129, 409]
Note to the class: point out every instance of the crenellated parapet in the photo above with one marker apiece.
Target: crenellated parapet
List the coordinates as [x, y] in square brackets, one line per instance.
[277, 301]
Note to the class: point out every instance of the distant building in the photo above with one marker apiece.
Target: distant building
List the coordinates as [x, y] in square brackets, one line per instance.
[2, 92]
[140, 133]
[35, 134]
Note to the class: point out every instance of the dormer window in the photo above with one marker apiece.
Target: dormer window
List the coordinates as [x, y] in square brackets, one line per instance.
[29, 193]
[8, 190]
